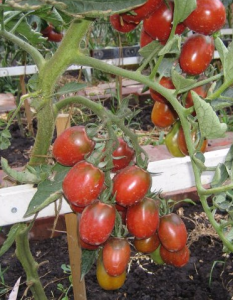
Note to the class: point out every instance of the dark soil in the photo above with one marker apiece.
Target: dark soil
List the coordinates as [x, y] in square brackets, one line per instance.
[207, 276]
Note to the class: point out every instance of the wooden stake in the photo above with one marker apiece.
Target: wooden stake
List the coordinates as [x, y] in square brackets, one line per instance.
[72, 223]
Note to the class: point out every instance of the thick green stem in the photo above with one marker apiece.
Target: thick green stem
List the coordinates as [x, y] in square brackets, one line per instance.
[30, 266]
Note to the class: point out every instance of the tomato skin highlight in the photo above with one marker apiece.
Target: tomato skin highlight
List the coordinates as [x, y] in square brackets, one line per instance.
[147, 245]
[120, 25]
[163, 115]
[72, 146]
[140, 13]
[83, 184]
[130, 185]
[196, 54]
[127, 154]
[159, 24]
[178, 259]
[116, 255]
[165, 82]
[106, 281]
[208, 17]
[142, 218]
[171, 141]
[172, 232]
[96, 223]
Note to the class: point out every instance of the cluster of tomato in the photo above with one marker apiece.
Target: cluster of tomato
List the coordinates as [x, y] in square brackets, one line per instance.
[139, 214]
[52, 34]
[195, 57]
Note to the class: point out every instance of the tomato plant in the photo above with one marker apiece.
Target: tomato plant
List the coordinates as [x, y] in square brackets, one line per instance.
[167, 83]
[147, 245]
[106, 281]
[130, 185]
[208, 17]
[196, 54]
[163, 115]
[142, 218]
[116, 255]
[83, 183]
[172, 232]
[72, 146]
[171, 141]
[178, 259]
[122, 155]
[96, 223]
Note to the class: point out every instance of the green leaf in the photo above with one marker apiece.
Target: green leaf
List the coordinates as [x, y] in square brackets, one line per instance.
[88, 259]
[48, 191]
[225, 100]
[173, 46]
[166, 66]
[154, 46]
[5, 136]
[209, 124]
[228, 68]
[183, 9]
[220, 176]
[181, 82]
[88, 7]
[10, 238]
[222, 50]
[49, 14]
[71, 87]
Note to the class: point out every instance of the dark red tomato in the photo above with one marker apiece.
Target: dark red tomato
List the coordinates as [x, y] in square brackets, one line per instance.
[165, 82]
[88, 246]
[163, 115]
[83, 184]
[182, 143]
[54, 36]
[142, 218]
[145, 38]
[138, 14]
[77, 209]
[200, 90]
[125, 152]
[172, 232]
[116, 255]
[130, 185]
[97, 222]
[208, 17]
[106, 281]
[178, 259]
[72, 146]
[147, 245]
[196, 54]
[159, 24]
[156, 257]
[171, 141]
[120, 25]
[47, 30]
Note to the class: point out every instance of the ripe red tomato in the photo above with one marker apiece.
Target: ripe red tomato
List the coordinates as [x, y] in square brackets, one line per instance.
[163, 115]
[196, 54]
[106, 281]
[171, 140]
[88, 246]
[145, 38]
[200, 90]
[178, 259]
[116, 255]
[76, 208]
[172, 232]
[83, 184]
[125, 152]
[72, 146]
[165, 82]
[52, 34]
[208, 17]
[142, 218]
[147, 245]
[130, 185]
[182, 143]
[97, 222]
[120, 25]
[159, 24]
[47, 30]
[140, 13]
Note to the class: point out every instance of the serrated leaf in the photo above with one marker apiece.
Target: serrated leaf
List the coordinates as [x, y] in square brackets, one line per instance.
[209, 124]
[220, 176]
[10, 238]
[173, 46]
[88, 259]
[48, 191]
[222, 50]
[183, 9]
[71, 87]
[49, 14]
[76, 7]
[154, 46]
[181, 82]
